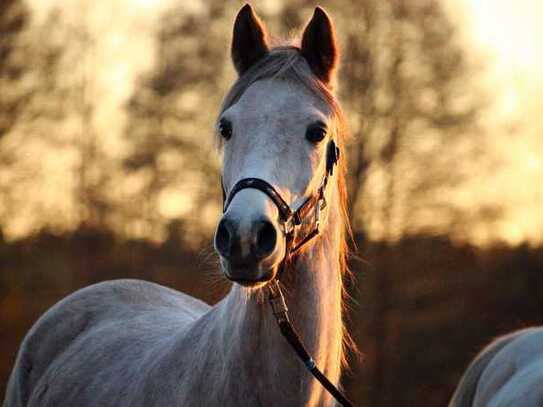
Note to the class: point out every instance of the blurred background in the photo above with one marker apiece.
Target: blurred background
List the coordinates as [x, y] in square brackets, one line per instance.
[108, 167]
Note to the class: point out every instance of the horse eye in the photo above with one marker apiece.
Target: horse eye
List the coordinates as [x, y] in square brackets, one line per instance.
[315, 134]
[225, 129]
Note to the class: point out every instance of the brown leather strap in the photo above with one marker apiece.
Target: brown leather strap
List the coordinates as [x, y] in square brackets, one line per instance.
[256, 183]
[280, 311]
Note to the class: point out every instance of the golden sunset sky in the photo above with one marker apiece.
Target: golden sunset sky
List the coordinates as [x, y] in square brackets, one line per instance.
[507, 38]
[504, 38]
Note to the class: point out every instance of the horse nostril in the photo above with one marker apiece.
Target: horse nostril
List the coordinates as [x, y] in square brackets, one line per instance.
[266, 238]
[223, 238]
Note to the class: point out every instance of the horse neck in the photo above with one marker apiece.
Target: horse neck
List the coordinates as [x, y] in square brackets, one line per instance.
[313, 292]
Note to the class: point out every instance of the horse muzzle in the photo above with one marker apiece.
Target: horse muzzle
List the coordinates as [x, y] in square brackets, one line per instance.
[249, 248]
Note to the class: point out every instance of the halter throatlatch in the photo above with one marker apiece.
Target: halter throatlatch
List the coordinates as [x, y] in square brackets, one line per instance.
[290, 220]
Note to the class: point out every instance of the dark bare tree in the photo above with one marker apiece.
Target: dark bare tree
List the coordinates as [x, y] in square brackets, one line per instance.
[171, 116]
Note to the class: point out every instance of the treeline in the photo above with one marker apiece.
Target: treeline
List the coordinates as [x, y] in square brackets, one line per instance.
[407, 87]
[442, 301]
[440, 304]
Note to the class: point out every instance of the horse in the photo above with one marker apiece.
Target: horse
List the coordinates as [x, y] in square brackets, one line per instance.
[507, 373]
[134, 343]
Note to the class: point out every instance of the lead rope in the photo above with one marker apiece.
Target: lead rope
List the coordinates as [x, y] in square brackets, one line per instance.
[280, 311]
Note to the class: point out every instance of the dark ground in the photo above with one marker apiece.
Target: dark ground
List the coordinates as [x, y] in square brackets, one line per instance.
[421, 308]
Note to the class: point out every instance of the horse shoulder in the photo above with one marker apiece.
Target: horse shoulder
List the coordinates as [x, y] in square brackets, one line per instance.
[515, 376]
[79, 313]
[469, 386]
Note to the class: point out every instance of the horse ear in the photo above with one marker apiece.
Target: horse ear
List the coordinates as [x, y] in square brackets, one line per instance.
[319, 45]
[249, 42]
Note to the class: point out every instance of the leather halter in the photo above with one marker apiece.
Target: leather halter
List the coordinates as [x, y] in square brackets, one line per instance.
[290, 220]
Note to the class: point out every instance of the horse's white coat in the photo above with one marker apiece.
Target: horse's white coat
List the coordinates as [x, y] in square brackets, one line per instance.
[269, 125]
[508, 373]
[133, 343]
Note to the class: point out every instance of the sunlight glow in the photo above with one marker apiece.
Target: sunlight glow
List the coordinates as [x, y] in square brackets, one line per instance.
[511, 29]
[533, 163]
[505, 37]
[146, 4]
[174, 204]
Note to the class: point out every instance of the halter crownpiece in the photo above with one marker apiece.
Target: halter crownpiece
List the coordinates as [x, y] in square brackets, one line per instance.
[332, 157]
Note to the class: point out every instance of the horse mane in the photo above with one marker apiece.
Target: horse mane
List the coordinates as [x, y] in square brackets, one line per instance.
[287, 62]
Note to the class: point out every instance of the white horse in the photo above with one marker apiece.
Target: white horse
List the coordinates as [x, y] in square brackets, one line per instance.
[507, 373]
[135, 343]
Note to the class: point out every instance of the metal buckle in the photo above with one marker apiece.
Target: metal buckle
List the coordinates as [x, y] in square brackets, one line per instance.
[289, 225]
[318, 216]
[321, 204]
